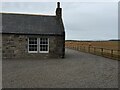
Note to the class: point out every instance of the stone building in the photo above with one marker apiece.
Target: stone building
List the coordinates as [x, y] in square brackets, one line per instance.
[31, 36]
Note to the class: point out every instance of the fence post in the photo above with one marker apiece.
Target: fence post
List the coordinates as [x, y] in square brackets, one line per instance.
[102, 51]
[94, 50]
[79, 47]
[84, 48]
[118, 52]
[118, 55]
[89, 48]
[112, 53]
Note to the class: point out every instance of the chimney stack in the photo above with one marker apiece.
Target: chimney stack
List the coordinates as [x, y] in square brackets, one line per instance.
[58, 10]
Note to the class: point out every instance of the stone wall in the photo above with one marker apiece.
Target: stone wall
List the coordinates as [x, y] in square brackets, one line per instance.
[16, 46]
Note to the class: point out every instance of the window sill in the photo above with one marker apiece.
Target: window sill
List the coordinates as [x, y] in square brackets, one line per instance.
[43, 51]
[32, 51]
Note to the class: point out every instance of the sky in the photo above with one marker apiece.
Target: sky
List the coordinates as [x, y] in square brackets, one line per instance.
[83, 20]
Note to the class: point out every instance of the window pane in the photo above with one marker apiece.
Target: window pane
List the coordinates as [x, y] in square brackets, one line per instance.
[46, 42]
[47, 48]
[31, 49]
[33, 41]
[43, 44]
[32, 44]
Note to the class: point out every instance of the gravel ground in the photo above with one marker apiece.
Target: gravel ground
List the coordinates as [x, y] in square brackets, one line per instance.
[77, 70]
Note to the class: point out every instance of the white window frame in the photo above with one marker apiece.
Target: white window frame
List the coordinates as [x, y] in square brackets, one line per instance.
[38, 46]
[47, 47]
[32, 51]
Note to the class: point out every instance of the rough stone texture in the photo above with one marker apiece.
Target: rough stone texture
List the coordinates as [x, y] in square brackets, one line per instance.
[16, 46]
[76, 70]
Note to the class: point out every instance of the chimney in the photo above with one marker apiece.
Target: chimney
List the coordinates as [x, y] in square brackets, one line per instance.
[58, 10]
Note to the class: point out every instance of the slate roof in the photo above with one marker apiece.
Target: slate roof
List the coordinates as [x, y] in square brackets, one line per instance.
[31, 24]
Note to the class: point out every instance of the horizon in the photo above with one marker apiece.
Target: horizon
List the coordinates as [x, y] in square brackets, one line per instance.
[96, 40]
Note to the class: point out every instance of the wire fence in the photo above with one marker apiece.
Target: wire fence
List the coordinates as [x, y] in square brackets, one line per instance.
[109, 53]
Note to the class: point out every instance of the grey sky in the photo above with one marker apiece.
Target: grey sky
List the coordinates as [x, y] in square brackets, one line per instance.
[83, 20]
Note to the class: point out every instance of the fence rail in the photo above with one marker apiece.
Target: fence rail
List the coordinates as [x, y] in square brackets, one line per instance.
[109, 53]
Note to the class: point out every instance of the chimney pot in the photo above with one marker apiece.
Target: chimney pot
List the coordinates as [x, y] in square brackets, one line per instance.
[58, 4]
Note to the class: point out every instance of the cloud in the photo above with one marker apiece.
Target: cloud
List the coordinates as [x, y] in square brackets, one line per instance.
[91, 20]
[82, 20]
[60, 0]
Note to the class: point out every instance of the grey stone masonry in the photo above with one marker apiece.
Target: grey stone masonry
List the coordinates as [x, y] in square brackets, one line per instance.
[15, 46]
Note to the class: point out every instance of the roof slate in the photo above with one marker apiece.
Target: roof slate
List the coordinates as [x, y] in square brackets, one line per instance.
[31, 24]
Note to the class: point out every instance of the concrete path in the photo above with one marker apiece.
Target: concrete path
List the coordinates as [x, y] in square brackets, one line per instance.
[77, 70]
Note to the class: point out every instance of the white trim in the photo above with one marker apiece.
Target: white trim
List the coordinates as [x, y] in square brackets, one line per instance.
[47, 47]
[43, 51]
[38, 46]
[32, 51]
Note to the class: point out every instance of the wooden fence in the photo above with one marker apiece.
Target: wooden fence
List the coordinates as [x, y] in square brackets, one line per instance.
[109, 53]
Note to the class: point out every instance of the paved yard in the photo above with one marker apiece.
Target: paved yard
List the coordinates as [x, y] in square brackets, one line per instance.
[77, 70]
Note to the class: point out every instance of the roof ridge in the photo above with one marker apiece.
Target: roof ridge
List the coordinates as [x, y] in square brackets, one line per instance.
[31, 14]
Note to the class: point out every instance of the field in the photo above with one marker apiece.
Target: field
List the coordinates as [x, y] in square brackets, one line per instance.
[108, 49]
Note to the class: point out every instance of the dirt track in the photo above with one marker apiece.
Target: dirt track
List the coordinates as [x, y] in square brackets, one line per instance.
[77, 70]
